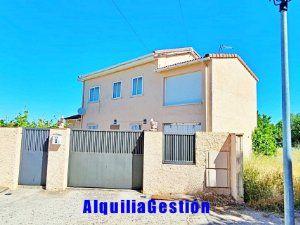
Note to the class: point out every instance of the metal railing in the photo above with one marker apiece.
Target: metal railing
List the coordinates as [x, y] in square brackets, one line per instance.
[179, 149]
[107, 142]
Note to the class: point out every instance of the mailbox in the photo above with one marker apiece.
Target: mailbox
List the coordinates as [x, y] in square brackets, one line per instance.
[56, 139]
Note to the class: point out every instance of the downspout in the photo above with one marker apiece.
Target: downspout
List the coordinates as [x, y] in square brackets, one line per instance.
[82, 101]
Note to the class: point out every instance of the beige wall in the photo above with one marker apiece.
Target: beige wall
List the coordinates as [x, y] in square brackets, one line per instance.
[212, 151]
[10, 150]
[58, 161]
[229, 98]
[170, 60]
[130, 109]
[234, 100]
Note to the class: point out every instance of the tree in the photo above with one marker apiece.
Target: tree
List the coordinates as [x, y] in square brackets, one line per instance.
[21, 120]
[295, 131]
[263, 137]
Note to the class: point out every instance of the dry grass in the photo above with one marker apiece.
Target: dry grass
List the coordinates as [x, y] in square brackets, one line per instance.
[263, 181]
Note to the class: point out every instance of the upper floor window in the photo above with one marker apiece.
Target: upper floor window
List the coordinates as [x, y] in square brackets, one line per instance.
[116, 90]
[94, 94]
[137, 86]
[183, 89]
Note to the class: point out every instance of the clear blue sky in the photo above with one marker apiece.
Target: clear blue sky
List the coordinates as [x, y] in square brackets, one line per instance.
[45, 45]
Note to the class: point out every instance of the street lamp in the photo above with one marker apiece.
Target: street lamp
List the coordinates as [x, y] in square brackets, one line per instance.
[289, 218]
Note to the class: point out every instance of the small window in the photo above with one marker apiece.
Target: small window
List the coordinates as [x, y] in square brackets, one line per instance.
[116, 90]
[92, 126]
[94, 94]
[136, 127]
[137, 86]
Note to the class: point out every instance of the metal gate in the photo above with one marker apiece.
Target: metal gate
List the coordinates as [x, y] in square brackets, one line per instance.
[107, 159]
[34, 154]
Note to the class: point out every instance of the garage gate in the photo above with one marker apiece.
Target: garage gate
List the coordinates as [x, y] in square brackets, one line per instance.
[34, 156]
[106, 159]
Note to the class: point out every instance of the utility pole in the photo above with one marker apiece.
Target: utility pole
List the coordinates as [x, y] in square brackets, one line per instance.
[289, 217]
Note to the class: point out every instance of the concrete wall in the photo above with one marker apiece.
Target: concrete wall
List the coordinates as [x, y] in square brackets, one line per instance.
[129, 109]
[58, 160]
[233, 99]
[10, 151]
[162, 178]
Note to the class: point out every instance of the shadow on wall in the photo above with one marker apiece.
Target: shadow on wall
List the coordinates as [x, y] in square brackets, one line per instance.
[217, 169]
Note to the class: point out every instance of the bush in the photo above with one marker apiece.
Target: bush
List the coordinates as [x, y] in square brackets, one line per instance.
[263, 185]
[263, 137]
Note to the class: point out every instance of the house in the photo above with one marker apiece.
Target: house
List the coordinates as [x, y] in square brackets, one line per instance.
[181, 90]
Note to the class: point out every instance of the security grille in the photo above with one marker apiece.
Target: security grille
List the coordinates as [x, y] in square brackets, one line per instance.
[179, 149]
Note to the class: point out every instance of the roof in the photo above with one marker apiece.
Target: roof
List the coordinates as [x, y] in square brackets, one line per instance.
[73, 117]
[120, 66]
[207, 57]
[161, 53]
[139, 61]
[176, 51]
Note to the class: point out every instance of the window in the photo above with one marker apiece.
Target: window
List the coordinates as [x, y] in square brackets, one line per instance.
[116, 90]
[183, 89]
[92, 126]
[136, 127]
[137, 86]
[94, 94]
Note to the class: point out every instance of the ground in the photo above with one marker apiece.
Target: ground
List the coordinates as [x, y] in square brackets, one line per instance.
[34, 205]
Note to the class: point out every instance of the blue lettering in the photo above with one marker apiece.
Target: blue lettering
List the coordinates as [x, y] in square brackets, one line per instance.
[103, 208]
[205, 207]
[95, 206]
[162, 207]
[141, 207]
[172, 206]
[151, 206]
[114, 207]
[194, 207]
[133, 206]
[87, 208]
[181, 207]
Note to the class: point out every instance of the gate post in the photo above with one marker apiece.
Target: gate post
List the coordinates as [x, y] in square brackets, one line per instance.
[10, 151]
[58, 159]
[236, 167]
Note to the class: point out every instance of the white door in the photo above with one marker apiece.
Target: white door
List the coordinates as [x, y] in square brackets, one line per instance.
[182, 128]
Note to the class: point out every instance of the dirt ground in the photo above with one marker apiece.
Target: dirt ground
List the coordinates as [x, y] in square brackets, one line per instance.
[33, 205]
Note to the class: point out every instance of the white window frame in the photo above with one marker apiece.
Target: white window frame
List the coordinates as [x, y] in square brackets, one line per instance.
[92, 126]
[133, 95]
[120, 90]
[90, 94]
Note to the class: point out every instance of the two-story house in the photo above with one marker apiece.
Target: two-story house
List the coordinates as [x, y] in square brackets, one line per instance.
[178, 88]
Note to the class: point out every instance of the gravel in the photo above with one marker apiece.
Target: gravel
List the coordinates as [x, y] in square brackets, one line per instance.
[34, 205]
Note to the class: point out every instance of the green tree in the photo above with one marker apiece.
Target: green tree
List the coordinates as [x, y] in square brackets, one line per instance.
[295, 129]
[21, 120]
[278, 134]
[263, 137]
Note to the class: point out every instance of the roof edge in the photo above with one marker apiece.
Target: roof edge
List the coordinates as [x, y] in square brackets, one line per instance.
[117, 67]
[226, 56]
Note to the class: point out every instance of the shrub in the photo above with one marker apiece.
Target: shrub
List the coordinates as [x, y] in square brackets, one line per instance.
[263, 185]
[263, 137]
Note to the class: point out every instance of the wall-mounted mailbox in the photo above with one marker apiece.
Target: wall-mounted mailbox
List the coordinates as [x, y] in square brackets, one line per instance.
[56, 139]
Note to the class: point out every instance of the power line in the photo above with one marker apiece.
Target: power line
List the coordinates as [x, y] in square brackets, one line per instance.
[183, 23]
[130, 26]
